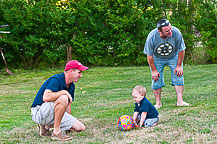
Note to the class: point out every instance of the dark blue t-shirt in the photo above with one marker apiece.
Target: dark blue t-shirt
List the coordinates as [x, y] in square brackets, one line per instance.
[55, 83]
[146, 106]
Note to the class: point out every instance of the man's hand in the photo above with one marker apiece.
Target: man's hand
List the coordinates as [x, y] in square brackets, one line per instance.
[68, 95]
[178, 71]
[155, 75]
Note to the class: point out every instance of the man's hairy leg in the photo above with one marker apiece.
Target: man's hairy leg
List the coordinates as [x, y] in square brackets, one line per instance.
[179, 93]
[157, 94]
[60, 107]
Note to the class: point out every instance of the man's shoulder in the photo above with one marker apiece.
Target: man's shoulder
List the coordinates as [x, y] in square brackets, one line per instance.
[176, 30]
[153, 33]
[55, 80]
[58, 76]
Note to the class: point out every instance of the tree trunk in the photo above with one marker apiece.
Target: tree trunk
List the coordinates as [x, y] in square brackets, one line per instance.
[69, 53]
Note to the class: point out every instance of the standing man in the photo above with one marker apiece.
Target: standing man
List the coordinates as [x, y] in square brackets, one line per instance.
[165, 46]
[51, 106]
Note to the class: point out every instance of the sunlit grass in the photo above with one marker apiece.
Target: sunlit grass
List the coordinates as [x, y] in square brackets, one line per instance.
[103, 94]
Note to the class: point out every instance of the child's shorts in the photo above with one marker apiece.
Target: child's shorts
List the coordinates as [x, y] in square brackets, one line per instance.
[160, 64]
[149, 122]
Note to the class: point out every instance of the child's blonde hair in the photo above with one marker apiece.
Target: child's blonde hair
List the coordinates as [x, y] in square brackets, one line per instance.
[140, 89]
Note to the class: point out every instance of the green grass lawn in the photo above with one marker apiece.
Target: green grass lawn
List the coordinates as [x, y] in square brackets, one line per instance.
[103, 94]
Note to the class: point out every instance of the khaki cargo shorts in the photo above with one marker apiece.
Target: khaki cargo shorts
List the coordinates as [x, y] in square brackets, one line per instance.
[44, 115]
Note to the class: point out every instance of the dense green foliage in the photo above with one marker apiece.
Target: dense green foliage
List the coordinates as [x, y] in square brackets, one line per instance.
[101, 32]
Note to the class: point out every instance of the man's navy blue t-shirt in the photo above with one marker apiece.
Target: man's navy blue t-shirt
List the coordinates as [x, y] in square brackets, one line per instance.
[146, 106]
[55, 83]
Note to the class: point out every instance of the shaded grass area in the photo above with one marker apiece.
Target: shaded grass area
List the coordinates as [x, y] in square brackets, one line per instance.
[103, 94]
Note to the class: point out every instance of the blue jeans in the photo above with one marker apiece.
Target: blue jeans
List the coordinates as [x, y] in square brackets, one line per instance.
[160, 64]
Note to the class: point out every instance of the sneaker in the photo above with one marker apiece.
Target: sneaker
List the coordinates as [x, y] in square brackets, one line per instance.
[42, 130]
[60, 136]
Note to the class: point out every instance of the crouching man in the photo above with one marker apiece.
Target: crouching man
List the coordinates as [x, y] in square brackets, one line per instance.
[52, 104]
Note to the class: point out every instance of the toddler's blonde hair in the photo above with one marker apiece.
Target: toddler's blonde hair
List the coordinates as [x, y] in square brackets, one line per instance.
[140, 89]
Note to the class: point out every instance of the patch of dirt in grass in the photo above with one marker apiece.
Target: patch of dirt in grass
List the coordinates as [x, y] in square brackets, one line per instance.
[99, 132]
[22, 135]
[187, 129]
[161, 133]
[15, 91]
[86, 119]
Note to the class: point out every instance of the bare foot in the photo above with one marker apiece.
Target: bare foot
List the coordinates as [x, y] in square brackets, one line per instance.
[157, 106]
[183, 104]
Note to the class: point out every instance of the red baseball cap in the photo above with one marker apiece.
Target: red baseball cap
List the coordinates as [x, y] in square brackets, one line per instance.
[74, 64]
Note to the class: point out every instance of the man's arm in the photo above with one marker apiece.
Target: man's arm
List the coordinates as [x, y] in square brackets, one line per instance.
[50, 96]
[178, 70]
[155, 73]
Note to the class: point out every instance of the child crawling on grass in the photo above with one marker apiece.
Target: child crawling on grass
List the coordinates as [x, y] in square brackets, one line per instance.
[145, 114]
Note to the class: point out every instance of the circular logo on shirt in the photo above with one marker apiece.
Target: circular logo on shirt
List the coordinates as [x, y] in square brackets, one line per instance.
[165, 50]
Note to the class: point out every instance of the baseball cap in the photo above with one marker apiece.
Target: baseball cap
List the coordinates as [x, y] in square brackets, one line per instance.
[74, 64]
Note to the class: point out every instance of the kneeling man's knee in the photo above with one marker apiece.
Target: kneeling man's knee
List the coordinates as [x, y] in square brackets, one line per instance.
[78, 126]
[82, 128]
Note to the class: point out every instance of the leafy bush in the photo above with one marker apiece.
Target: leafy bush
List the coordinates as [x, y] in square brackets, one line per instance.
[100, 33]
[205, 20]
